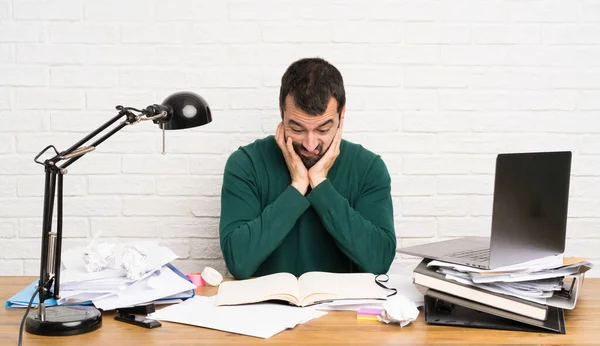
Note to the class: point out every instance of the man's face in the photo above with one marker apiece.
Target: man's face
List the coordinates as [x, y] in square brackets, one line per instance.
[311, 134]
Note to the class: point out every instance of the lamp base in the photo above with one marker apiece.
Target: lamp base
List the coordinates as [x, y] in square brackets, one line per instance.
[64, 320]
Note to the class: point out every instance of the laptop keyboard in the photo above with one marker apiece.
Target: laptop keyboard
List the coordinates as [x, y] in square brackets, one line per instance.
[482, 254]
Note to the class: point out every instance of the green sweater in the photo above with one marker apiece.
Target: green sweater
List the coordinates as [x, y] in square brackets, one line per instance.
[344, 225]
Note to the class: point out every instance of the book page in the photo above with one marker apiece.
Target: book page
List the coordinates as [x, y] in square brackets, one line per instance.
[321, 286]
[283, 286]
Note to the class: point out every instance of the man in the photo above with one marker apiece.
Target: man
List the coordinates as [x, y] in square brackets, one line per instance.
[304, 199]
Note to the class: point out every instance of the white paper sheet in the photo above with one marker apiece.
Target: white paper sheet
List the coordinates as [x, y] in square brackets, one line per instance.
[259, 320]
[538, 275]
[565, 302]
[73, 297]
[163, 283]
[349, 305]
[501, 289]
[99, 285]
[531, 266]
[404, 285]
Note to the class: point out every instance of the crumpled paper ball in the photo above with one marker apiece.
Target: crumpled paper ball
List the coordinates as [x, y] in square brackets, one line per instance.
[398, 309]
[98, 256]
[135, 261]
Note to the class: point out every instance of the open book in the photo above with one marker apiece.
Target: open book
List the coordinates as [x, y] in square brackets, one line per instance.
[310, 288]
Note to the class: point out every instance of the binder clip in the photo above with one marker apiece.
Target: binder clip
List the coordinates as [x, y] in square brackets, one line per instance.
[127, 315]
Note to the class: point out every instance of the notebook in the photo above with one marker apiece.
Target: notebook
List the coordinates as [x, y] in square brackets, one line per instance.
[310, 288]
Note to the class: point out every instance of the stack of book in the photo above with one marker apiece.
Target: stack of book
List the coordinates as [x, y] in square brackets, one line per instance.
[525, 298]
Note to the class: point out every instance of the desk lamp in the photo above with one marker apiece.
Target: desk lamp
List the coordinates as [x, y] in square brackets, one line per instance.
[181, 110]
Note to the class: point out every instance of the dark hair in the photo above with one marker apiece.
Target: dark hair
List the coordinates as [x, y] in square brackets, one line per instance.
[312, 82]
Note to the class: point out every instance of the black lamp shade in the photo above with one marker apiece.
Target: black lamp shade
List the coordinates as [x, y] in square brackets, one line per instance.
[187, 110]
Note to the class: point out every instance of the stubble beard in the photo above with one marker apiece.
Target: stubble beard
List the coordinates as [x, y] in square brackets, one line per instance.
[308, 161]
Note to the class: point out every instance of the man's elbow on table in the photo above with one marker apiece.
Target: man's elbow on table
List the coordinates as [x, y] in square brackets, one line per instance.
[240, 269]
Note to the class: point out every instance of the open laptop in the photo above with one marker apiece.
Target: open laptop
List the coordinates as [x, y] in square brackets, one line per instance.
[529, 217]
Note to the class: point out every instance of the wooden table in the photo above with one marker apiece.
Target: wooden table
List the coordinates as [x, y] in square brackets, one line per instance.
[337, 327]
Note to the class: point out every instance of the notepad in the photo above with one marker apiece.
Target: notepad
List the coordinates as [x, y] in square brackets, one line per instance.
[310, 288]
[369, 314]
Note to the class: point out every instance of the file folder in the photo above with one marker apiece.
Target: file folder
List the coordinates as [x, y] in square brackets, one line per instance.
[445, 309]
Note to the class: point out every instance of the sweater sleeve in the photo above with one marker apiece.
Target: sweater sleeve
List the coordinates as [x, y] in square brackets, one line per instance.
[248, 233]
[364, 233]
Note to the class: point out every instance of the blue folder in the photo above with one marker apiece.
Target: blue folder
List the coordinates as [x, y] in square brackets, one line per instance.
[21, 299]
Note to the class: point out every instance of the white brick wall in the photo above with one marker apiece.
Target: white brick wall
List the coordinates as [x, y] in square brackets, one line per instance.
[437, 87]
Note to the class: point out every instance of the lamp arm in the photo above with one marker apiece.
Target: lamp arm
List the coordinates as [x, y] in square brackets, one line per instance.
[76, 146]
[75, 152]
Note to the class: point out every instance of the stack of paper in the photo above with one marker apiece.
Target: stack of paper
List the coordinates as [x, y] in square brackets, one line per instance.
[163, 284]
[402, 283]
[546, 281]
[530, 296]
[260, 320]
[110, 288]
